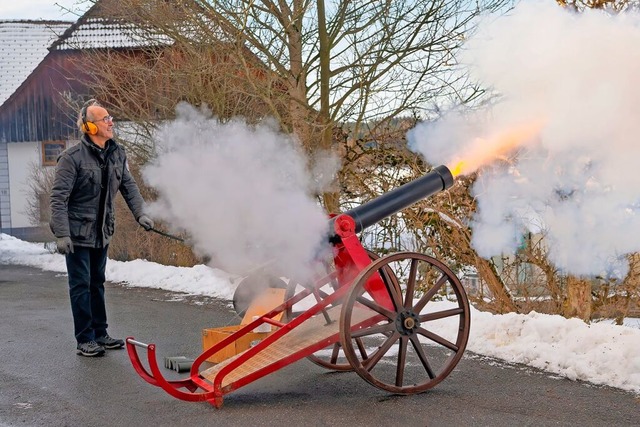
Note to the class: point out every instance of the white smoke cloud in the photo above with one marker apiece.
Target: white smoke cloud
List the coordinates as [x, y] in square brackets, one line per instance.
[577, 179]
[242, 193]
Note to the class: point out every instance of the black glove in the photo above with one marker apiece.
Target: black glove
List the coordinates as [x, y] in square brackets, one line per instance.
[145, 222]
[64, 245]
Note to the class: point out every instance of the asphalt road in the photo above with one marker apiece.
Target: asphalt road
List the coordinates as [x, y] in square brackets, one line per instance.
[44, 383]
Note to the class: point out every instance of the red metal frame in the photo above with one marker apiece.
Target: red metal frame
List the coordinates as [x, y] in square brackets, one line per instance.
[350, 258]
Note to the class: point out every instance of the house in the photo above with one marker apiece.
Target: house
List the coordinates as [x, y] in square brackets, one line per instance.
[31, 129]
[41, 84]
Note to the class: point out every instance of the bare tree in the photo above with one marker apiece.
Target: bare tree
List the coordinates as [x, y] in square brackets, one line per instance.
[613, 6]
[39, 183]
[144, 86]
[348, 77]
[339, 76]
[329, 63]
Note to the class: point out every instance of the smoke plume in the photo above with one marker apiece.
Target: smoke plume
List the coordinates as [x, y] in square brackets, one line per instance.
[242, 193]
[575, 179]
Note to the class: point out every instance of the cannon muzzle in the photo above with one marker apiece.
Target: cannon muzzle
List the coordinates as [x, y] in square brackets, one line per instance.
[367, 214]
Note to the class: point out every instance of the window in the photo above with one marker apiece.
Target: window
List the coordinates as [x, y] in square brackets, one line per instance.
[51, 150]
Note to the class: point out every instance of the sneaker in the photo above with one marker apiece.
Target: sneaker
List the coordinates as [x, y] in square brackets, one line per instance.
[109, 343]
[90, 349]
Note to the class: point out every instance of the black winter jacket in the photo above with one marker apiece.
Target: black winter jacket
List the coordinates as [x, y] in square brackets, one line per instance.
[75, 195]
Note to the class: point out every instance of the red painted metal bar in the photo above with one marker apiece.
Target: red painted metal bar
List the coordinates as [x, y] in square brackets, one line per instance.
[350, 258]
[248, 354]
[156, 378]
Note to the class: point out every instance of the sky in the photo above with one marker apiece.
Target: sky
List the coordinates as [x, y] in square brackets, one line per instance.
[42, 9]
[600, 353]
[573, 78]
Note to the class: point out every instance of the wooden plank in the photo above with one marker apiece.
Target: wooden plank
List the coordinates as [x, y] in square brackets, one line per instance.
[310, 332]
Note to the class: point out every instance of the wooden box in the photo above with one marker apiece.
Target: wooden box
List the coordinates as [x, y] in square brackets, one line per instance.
[265, 302]
[212, 336]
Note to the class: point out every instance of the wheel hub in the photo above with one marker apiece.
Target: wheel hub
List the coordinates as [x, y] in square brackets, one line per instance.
[407, 322]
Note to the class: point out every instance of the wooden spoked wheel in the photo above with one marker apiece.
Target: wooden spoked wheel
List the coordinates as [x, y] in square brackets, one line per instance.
[333, 357]
[417, 330]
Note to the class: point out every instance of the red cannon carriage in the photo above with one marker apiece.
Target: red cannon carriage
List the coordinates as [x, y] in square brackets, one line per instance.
[400, 321]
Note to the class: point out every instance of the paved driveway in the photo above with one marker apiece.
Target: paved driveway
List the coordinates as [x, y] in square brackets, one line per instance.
[44, 383]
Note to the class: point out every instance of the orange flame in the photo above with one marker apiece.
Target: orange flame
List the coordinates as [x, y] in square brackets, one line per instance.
[484, 151]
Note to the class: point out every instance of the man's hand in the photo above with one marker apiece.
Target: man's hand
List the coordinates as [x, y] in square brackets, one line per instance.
[145, 222]
[64, 245]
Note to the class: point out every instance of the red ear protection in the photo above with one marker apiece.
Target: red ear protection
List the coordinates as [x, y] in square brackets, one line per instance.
[87, 126]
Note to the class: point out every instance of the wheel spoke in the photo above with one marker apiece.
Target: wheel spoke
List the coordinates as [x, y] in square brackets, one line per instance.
[402, 359]
[370, 363]
[423, 357]
[376, 307]
[388, 278]
[396, 297]
[378, 329]
[361, 348]
[430, 293]
[411, 283]
[441, 314]
[329, 279]
[437, 338]
[335, 352]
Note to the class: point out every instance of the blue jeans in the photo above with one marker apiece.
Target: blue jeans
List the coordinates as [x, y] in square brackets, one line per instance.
[86, 267]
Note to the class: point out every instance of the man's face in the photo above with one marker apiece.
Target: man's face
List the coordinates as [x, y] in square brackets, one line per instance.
[101, 118]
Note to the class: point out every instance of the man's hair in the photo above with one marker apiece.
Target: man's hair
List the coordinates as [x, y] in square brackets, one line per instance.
[82, 114]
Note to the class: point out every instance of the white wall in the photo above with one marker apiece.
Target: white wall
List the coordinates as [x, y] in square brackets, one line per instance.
[22, 155]
[5, 214]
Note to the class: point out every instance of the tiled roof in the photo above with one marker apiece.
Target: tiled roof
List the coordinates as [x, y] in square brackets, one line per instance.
[96, 33]
[23, 45]
[107, 25]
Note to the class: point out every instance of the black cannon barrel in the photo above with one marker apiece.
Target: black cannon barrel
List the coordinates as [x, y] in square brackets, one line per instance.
[367, 214]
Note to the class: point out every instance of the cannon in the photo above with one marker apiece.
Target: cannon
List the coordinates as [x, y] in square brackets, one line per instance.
[400, 321]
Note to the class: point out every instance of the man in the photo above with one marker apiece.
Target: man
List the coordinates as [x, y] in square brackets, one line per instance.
[88, 177]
